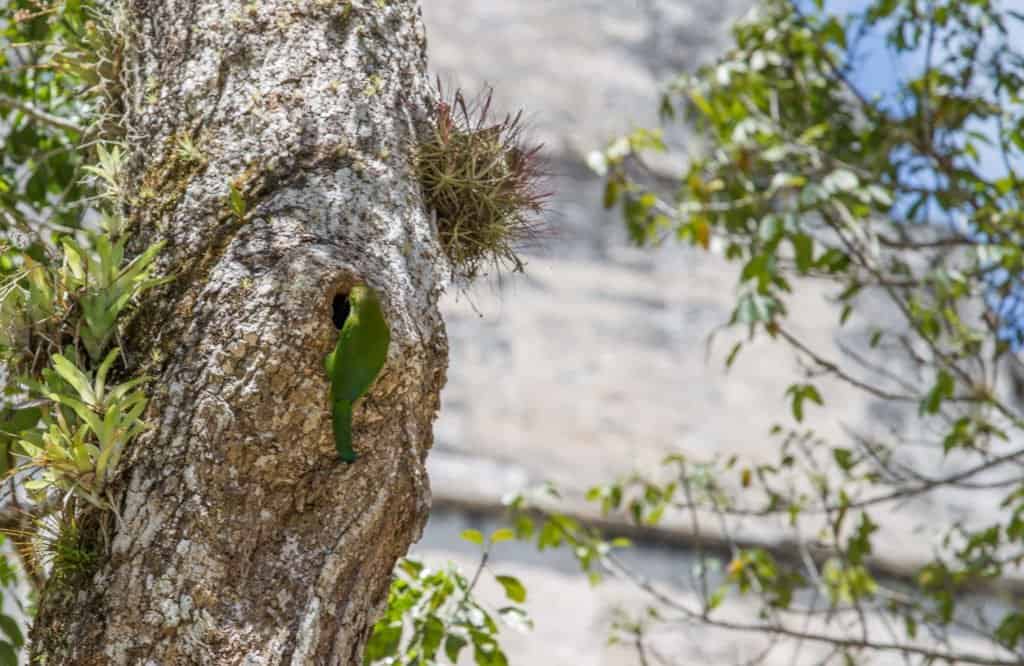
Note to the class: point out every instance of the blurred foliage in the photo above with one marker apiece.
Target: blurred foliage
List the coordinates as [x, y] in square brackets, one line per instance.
[51, 67]
[901, 202]
[432, 614]
[70, 400]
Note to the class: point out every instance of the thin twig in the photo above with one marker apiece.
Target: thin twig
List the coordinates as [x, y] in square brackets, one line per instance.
[38, 114]
[777, 629]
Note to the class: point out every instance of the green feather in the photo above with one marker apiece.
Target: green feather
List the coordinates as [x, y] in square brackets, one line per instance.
[342, 417]
[355, 362]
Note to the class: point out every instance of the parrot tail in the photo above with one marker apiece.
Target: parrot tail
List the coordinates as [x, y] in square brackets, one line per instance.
[343, 431]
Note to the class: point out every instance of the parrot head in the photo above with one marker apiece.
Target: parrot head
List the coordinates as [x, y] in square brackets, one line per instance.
[360, 293]
[344, 304]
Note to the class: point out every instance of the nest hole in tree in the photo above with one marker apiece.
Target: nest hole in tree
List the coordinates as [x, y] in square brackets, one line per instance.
[340, 309]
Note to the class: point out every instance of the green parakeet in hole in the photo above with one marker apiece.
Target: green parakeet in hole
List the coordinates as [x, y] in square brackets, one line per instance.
[355, 362]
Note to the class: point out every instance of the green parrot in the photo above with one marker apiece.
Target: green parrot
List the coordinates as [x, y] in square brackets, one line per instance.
[355, 362]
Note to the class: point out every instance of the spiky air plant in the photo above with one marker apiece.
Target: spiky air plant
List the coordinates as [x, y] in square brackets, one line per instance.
[53, 548]
[484, 182]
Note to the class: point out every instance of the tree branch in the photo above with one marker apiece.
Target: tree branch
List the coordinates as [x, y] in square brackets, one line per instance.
[38, 114]
[779, 630]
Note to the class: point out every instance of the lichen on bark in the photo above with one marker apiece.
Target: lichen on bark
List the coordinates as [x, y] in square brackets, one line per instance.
[242, 539]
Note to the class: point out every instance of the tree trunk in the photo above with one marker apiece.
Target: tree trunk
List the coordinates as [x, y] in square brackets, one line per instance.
[241, 538]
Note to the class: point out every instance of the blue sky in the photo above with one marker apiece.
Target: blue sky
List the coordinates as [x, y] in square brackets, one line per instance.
[879, 71]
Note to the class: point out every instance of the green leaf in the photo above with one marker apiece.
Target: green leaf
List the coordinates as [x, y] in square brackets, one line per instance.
[411, 566]
[473, 536]
[859, 543]
[514, 589]
[8, 655]
[487, 653]
[101, 373]
[453, 646]
[1010, 631]
[843, 458]
[433, 634]
[911, 626]
[550, 536]
[716, 598]
[800, 393]
[701, 103]
[770, 229]
[833, 31]
[384, 642]
[813, 133]
[645, 139]
[524, 527]
[503, 534]
[803, 252]
[833, 261]
[942, 390]
[612, 192]
[16, 421]
[237, 201]
[78, 379]
[10, 627]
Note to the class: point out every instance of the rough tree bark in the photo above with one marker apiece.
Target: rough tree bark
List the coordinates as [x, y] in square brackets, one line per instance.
[241, 538]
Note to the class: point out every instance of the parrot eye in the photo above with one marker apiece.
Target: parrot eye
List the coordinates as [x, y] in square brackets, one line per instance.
[339, 310]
